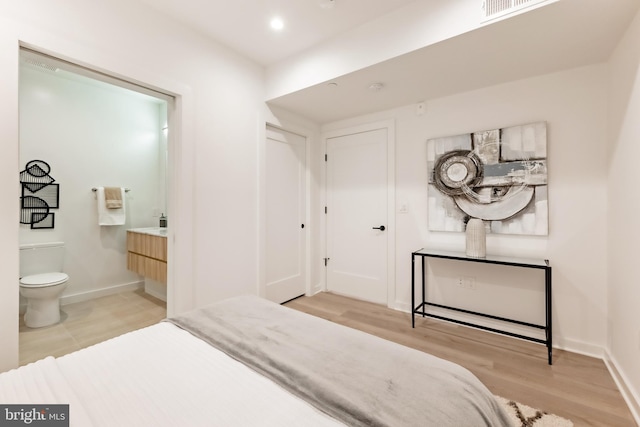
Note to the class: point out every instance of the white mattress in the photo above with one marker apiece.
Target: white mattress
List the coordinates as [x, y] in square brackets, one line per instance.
[160, 376]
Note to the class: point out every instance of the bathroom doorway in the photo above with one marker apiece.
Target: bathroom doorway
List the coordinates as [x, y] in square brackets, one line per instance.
[93, 130]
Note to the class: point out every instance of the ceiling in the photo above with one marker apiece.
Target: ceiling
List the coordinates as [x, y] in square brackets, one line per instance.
[561, 35]
[243, 25]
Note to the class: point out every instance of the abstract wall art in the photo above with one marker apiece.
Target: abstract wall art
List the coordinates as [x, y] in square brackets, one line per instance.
[39, 195]
[498, 175]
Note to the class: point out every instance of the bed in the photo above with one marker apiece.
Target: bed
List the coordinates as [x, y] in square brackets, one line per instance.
[248, 362]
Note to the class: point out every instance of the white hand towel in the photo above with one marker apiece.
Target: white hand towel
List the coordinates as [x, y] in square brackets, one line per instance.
[110, 216]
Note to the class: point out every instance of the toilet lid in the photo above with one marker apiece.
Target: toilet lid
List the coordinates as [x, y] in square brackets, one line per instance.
[42, 280]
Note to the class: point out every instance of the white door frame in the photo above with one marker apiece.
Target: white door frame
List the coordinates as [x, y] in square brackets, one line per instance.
[176, 301]
[389, 125]
[262, 214]
[180, 174]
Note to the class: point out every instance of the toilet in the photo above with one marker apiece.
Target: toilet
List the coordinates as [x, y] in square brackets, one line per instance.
[42, 282]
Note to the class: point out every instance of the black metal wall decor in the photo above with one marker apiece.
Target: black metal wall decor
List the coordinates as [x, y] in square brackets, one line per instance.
[39, 195]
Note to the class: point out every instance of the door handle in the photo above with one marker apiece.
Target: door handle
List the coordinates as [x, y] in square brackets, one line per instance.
[381, 228]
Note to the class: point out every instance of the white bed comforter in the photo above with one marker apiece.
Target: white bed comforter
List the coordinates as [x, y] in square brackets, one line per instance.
[157, 376]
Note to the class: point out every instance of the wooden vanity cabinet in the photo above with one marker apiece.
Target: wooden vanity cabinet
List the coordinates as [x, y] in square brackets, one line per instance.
[147, 255]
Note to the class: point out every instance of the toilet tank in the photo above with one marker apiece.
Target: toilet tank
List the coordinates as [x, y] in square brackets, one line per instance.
[36, 258]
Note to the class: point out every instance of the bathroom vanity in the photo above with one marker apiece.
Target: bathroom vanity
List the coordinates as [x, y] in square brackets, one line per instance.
[147, 252]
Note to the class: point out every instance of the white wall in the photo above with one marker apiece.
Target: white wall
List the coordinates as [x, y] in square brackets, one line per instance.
[624, 202]
[92, 134]
[213, 217]
[573, 103]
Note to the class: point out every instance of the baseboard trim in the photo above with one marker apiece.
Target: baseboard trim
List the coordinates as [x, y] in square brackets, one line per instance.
[315, 289]
[314, 292]
[559, 343]
[579, 347]
[401, 306]
[155, 294]
[103, 292]
[632, 399]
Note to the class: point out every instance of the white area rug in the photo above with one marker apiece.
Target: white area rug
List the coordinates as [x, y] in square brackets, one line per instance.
[526, 416]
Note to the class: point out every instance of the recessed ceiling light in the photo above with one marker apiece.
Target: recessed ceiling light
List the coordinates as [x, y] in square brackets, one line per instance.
[332, 85]
[277, 24]
[376, 87]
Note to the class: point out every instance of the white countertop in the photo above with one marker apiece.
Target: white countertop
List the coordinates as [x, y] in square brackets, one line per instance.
[154, 231]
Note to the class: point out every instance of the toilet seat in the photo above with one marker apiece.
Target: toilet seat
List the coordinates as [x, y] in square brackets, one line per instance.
[43, 280]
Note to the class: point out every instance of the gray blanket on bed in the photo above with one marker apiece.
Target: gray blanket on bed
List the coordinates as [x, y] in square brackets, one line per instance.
[357, 378]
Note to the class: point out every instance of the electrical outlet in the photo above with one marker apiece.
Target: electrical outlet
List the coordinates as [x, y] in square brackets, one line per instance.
[467, 282]
[471, 283]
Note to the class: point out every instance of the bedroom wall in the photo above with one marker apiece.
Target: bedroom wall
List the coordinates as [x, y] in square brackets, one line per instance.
[92, 134]
[219, 105]
[573, 103]
[624, 202]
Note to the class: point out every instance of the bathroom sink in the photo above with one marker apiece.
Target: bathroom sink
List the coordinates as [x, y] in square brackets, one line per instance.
[156, 231]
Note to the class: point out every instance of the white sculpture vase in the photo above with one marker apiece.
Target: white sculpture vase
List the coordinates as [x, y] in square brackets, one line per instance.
[476, 238]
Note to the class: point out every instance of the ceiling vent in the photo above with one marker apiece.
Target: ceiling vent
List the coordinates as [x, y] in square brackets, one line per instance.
[41, 64]
[497, 8]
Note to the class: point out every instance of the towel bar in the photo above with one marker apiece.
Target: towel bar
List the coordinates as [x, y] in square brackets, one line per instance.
[94, 189]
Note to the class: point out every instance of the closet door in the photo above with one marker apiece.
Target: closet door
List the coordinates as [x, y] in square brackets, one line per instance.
[285, 215]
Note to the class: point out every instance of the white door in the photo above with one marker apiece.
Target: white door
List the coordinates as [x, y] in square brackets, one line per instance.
[285, 259]
[357, 215]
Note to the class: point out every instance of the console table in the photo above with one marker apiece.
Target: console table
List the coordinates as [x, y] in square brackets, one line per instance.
[420, 309]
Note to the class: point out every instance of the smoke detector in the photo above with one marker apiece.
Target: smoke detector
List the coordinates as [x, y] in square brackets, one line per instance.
[376, 87]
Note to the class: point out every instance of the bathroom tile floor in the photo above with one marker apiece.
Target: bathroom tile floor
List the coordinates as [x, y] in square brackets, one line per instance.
[89, 322]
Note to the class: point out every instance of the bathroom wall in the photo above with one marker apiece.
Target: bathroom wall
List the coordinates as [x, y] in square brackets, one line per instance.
[93, 134]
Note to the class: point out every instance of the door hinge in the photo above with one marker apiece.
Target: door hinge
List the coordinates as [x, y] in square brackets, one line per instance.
[326, 157]
[325, 261]
[325, 209]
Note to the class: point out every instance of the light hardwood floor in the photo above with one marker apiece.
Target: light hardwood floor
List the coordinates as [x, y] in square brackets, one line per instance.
[86, 323]
[576, 387]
